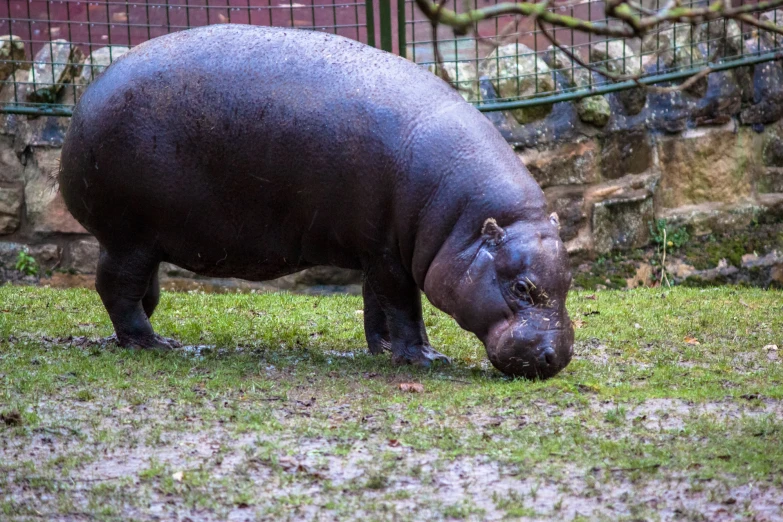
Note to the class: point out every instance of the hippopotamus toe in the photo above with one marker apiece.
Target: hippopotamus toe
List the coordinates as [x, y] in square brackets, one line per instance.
[422, 356]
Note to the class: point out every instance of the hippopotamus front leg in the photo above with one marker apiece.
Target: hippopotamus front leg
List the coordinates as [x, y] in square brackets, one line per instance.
[392, 316]
[127, 283]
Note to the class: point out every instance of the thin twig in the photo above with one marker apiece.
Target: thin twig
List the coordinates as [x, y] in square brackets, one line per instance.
[632, 24]
[690, 81]
[663, 263]
[635, 21]
[636, 468]
[439, 65]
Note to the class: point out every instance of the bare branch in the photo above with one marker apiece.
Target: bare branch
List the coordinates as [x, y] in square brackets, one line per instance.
[624, 19]
[632, 24]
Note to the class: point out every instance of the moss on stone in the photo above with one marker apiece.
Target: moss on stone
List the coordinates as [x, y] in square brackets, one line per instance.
[706, 252]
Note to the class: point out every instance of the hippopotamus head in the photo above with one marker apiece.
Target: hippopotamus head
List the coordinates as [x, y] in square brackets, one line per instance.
[511, 292]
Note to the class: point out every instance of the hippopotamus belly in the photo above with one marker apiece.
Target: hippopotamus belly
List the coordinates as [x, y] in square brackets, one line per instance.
[256, 152]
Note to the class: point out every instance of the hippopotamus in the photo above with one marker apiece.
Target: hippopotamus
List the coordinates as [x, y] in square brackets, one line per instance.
[256, 152]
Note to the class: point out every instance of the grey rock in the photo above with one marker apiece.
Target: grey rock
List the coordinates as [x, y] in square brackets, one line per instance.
[625, 152]
[622, 223]
[574, 74]
[46, 211]
[92, 67]
[616, 56]
[10, 209]
[83, 255]
[171, 270]
[12, 55]
[99, 60]
[57, 63]
[47, 255]
[11, 168]
[713, 217]
[564, 164]
[675, 45]
[15, 89]
[725, 37]
[462, 76]
[594, 110]
[9, 251]
[517, 71]
[319, 276]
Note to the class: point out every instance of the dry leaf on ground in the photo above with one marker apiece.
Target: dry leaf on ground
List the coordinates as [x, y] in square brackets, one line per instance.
[412, 387]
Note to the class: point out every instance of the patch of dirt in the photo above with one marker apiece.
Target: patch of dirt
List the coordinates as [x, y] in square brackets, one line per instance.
[302, 478]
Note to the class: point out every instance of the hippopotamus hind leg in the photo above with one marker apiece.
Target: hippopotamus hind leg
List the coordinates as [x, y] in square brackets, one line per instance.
[129, 290]
[394, 299]
[150, 300]
[376, 328]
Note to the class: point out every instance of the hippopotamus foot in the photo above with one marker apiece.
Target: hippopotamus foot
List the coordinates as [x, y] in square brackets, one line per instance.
[157, 343]
[422, 356]
[128, 285]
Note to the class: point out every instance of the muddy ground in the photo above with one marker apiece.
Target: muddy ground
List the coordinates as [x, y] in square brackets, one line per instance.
[292, 420]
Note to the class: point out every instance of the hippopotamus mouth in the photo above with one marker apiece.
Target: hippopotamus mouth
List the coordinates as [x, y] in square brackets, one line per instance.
[520, 349]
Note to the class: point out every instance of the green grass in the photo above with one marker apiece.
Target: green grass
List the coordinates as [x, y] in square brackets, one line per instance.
[283, 414]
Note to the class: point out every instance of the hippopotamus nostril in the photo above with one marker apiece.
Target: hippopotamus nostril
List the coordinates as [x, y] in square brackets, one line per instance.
[548, 357]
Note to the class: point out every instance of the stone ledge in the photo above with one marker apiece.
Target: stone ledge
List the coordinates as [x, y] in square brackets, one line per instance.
[568, 164]
[706, 218]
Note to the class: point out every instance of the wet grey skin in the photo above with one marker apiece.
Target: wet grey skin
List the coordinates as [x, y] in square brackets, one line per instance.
[256, 152]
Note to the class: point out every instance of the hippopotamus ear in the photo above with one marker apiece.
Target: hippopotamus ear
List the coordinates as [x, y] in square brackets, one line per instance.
[554, 219]
[492, 232]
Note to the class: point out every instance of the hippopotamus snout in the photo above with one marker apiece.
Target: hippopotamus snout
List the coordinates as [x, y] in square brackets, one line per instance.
[523, 350]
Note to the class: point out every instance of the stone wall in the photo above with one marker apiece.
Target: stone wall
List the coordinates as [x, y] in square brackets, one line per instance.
[708, 158]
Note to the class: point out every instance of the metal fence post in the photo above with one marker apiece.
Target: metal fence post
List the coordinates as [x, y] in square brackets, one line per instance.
[384, 9]
[401, 34]
[369, 15]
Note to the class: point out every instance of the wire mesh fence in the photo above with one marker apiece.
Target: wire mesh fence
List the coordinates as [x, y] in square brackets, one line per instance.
[52, 49]
[529, 64]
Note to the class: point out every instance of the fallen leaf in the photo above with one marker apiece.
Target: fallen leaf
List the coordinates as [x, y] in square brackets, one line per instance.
[394, 443]
[591, 297]
[691, 340]
[578, 323]
[178, 476]
[412, 387]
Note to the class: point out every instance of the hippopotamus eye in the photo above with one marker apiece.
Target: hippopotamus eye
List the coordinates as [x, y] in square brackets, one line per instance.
[521, 289]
